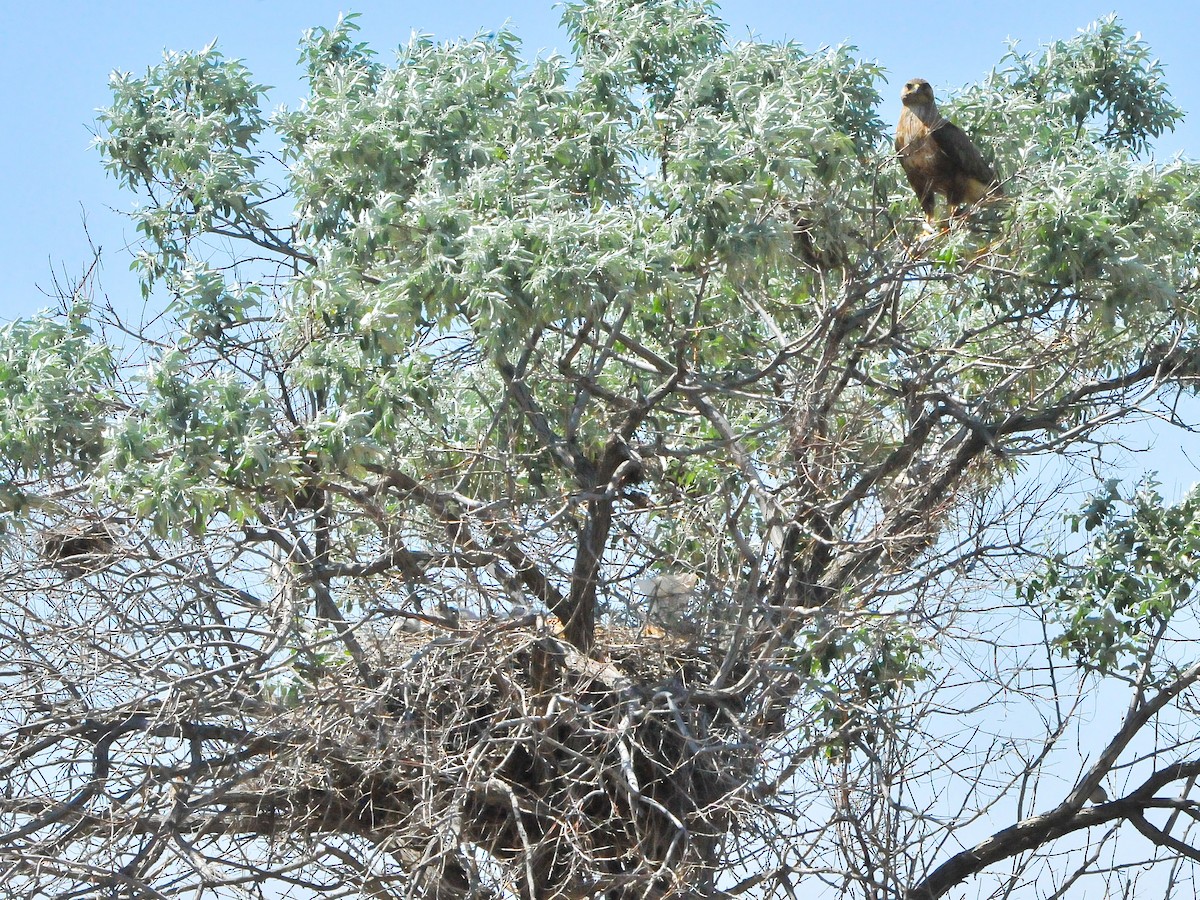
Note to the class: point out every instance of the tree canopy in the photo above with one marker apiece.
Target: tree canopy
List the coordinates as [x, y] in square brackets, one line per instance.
[582, 477]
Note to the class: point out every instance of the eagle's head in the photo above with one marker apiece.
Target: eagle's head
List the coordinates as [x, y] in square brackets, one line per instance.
[916, 92]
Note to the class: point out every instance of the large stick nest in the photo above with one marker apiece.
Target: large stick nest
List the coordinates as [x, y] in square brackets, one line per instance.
[501, 745]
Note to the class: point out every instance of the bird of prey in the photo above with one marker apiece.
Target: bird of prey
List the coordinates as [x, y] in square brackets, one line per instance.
[670, 596]
[937, 155]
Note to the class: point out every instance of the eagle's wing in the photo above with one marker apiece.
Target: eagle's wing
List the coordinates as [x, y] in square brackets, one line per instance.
[963, 153]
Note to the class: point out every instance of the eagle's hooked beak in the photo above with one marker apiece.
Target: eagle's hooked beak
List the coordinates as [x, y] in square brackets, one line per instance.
[912, 90]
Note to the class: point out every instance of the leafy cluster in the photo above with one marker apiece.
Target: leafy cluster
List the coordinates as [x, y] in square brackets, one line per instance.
[56, 388]
[1141, 565]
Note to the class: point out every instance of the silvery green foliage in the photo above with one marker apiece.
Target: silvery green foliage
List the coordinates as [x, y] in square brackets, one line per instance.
[475, 269]
[56, 383]
[464, 192]
[1118, 596]
[665, 205]
[469, 332]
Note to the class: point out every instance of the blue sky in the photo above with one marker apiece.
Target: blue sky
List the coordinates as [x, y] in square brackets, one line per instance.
[57, 55]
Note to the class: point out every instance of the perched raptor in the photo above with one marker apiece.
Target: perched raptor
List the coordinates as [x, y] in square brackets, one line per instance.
[937, 155]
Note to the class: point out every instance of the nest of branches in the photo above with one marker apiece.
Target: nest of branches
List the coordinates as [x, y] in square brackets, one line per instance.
[497, 757]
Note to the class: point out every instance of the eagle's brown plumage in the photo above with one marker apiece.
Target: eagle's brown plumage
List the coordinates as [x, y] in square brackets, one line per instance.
[937, 155]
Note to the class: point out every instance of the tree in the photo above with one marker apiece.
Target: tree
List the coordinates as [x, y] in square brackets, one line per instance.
[332, 577]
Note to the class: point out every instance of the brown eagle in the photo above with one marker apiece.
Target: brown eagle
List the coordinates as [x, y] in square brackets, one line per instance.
[937, 155]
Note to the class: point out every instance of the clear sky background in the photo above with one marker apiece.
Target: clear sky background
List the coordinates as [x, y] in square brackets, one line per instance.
[57, 55]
